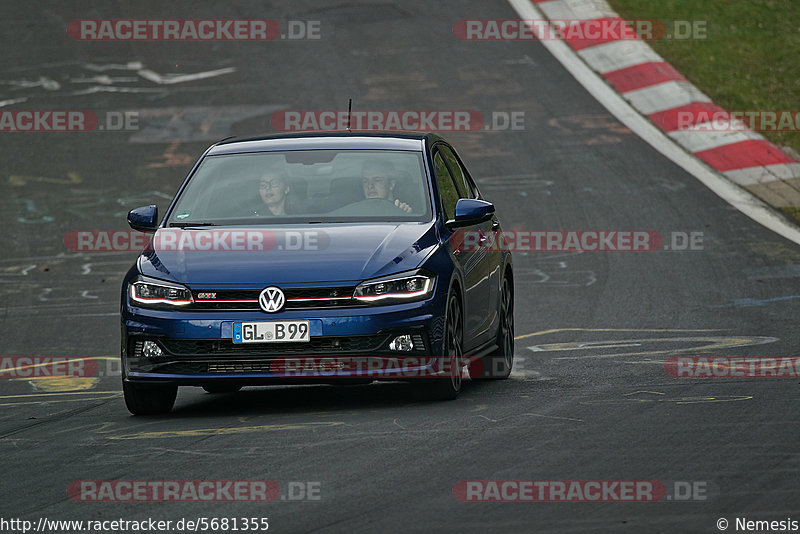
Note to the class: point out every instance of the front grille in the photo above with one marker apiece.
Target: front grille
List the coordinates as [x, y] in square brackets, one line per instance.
[296, 298]
[240, 367]
[317, 346]
[276, 365]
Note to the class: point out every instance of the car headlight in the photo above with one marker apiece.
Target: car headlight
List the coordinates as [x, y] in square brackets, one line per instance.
[401, 287]
[149, 292]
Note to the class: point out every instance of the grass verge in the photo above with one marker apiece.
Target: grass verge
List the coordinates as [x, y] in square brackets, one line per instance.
[750, 59]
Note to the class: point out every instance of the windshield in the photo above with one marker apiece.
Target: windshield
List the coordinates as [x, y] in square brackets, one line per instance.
[305, 186]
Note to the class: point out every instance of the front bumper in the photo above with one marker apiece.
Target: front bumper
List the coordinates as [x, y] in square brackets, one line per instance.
[347, 343]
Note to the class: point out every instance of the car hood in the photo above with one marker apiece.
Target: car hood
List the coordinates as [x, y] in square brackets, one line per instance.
[294, 254]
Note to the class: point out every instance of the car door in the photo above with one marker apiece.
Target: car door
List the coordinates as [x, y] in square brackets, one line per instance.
[469, 259]
[489, 245]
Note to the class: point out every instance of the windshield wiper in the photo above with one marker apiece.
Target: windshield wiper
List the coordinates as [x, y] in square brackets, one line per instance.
[188, 224]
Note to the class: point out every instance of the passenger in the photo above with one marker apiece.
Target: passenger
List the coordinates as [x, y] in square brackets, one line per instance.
[273, 190]
[378, 182]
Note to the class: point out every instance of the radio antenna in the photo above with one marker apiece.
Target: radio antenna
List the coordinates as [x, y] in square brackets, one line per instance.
[349, 109]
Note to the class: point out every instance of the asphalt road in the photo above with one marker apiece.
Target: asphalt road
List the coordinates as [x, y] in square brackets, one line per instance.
[589, 398]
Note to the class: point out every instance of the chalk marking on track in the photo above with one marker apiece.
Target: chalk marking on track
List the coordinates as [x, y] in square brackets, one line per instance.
[556, 330]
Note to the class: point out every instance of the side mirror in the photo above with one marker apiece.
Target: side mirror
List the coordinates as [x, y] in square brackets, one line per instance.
[144, 219]
[470, 211]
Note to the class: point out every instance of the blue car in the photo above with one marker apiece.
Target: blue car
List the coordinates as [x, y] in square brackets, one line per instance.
[326, 257]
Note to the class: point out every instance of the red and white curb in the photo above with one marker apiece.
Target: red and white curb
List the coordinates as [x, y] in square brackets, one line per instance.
[660, 93]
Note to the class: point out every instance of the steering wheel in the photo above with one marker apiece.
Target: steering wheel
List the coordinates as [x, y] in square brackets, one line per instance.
[380, 203]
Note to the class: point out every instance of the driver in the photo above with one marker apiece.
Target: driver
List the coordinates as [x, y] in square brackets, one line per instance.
[378, 183]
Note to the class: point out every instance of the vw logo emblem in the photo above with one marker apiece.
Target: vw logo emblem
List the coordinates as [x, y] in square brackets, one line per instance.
[271, 299]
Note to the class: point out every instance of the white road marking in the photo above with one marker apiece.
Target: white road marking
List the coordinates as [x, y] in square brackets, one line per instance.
[581, 346]
[586, 10]
[131, 65]
[170, 79]
[769, 173]
[12, 101]
[607, 57]
[110, 89]
[48, 84]
[663, 96]
[697, 140]
[104, 79]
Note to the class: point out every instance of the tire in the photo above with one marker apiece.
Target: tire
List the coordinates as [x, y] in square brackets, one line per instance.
[498, 364]
[221, 388]
[150, 399]
[448, 388]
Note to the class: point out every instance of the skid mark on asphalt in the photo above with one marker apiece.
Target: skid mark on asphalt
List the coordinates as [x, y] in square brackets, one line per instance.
[33, 395]
[21, 180]
[750, 303]
[555, 275]
[552, 270]
[523, 370]
[59, 389]
[520, 370]
[574, 420]
[711, 343]
[640, 397]
[170, 159]
[42, 380]
[557, 330]
[199, 432]
[194, 123]
[697, 343]
[521, 183]
[85, 79]
[85, 399]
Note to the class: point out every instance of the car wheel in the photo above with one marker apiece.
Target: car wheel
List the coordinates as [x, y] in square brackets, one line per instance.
[497, 365]
[150, 399]
[221, 388]
[448, 388]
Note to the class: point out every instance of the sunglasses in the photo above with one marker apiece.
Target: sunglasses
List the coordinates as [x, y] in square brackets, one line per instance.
[272, 184]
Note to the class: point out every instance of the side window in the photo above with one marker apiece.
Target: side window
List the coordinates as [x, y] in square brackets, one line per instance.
[466, 188]
[447, 189]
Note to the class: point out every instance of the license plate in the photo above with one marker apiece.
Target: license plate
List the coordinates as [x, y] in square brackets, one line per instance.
[271, 332]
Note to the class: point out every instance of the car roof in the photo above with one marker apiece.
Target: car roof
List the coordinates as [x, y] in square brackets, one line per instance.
[329, 140]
